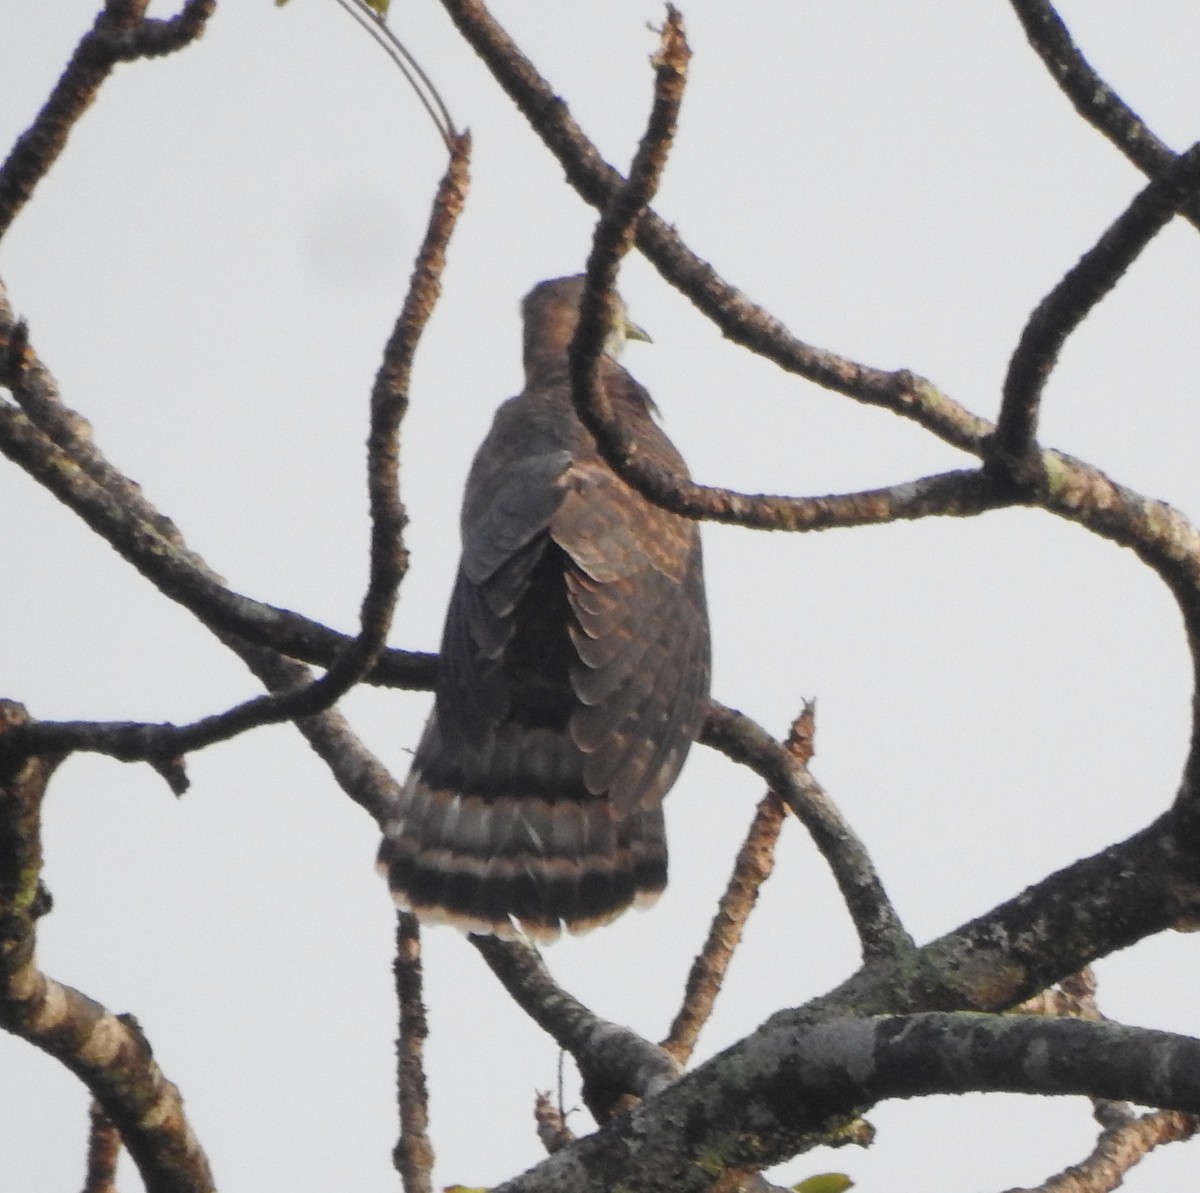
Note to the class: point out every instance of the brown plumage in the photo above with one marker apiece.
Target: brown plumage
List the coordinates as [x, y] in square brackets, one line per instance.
[573, 675]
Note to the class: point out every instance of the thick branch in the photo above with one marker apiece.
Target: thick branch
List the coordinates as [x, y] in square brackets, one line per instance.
[774, 1093]
[1093, 907]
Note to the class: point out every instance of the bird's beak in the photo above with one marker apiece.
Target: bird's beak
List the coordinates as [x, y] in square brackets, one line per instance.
[633, 332]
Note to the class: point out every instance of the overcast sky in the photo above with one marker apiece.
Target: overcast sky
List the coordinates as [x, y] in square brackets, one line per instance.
[211, 270]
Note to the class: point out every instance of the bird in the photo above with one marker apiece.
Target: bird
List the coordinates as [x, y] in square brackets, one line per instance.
[574, 668]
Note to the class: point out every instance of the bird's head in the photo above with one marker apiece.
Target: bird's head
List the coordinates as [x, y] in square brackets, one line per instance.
[551, 314]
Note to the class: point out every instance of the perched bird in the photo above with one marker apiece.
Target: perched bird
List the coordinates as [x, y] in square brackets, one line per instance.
[574, 668]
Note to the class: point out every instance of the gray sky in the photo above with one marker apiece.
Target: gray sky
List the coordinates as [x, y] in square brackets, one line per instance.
[211, 271]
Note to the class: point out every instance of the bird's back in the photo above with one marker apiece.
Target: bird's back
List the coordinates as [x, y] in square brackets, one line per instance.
[573, 677]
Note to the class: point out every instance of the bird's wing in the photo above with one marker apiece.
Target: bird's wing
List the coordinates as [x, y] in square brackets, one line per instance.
[512, 494]
[640, 633]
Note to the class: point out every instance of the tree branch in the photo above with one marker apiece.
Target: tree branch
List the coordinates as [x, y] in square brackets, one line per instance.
[1092, 97]
[104, 1147]
[121, 33]
[613, 1060]
[753, 866]
[1120, 1148]
[1085, 911]
[880, 931]
[617, 228]
[739, 319]
[163, 745]
[1066, 306]
[413, 1154]
[775, 1093]
[54, 445]
[107, 1052]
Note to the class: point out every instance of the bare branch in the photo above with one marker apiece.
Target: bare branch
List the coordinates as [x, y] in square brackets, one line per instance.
[617, 228]
[121, 33]
[1092, 97]
[1066, 306]
[164, 745]
[783, 1089]
[1166, 542]
[122, 517]
[755, 861]
[1126, 1139]
[614, 237]
[413, 1155]
[104, 1147]
[54, 445]
[1119, 1149]
[107, 1052]
[389, 400]
[880, 931]
[753, 866]
[1085, 911]
[739, 319]
[614, 1061]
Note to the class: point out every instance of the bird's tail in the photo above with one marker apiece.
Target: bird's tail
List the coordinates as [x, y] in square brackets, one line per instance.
[509, 864]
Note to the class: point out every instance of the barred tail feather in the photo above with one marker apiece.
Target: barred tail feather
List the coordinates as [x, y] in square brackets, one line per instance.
[508, 864]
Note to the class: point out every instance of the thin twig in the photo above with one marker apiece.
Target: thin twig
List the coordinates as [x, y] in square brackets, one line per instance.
[428, 95]
[617, 228]
[614, 236]
[389, 401]
[413, 1155]
[755, 861]
[552, 1126]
